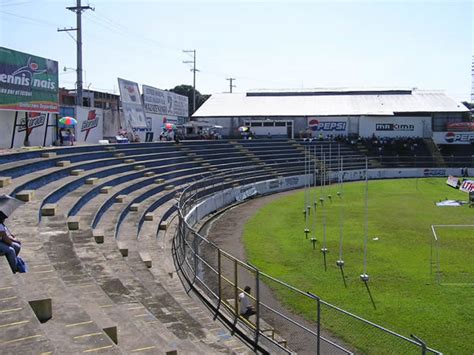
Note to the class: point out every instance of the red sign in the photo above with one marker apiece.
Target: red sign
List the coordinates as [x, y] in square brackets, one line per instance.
[467, 186]
[461, 126]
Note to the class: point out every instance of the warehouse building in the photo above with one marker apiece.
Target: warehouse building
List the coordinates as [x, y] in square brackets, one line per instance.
[347, 112]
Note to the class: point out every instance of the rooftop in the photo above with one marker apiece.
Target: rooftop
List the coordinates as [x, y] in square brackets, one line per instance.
[328, 102]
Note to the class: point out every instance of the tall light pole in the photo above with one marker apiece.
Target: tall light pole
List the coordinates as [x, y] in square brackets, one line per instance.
[194, 70]
[78, 9]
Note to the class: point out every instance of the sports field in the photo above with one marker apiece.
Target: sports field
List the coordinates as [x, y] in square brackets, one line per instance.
[407, 296]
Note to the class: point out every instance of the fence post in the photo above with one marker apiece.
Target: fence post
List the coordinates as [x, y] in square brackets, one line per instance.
[422, 343]
[257, 306]
[236, 290]
[219, 282]
[318, 340]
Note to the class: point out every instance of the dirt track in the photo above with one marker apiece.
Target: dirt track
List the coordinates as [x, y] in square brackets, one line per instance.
[226, 231]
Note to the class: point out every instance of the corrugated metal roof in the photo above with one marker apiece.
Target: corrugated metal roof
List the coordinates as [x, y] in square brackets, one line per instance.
[328, 103]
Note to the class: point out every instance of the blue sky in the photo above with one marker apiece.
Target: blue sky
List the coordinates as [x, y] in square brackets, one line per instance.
[263, 44]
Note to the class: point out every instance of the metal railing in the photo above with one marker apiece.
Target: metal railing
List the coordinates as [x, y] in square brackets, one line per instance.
[218, 278]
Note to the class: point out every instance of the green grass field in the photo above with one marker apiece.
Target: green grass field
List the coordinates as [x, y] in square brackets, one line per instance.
[407, 296]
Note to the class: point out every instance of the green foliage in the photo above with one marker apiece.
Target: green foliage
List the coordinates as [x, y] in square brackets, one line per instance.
[408, 298]
[187, 90]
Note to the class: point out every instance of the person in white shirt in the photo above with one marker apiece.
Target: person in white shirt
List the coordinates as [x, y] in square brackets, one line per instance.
[9, 245]
[246, 308]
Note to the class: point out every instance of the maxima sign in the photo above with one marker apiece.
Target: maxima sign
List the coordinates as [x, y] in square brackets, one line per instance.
[391, 126]
[453, 137]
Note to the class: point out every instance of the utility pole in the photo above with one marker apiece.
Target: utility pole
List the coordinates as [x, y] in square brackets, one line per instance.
[230, 84]
[78, 9]
[194, 70]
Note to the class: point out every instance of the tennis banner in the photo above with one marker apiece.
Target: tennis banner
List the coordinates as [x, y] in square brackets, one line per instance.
[28, 82]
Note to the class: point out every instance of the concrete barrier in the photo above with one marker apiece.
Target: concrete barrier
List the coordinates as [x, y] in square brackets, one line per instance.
[48, 155]
[74, 223]
[92, 181]
[49, 209]
[5, 181]
[77, 172]
[98, 235]
[146, 258]
[63, 163]
[25, 195]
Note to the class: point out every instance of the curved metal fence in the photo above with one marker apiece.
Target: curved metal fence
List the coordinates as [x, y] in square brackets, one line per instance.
[218, 278]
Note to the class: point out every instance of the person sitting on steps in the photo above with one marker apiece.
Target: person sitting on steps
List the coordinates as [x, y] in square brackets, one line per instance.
[9, 245]
[246, 309]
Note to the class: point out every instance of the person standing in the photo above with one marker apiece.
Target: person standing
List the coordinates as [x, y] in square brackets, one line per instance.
[9, 245]
[246, 308]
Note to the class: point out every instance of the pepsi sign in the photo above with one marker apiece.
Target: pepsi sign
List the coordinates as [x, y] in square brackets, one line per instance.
[452, 137]
[327, 126]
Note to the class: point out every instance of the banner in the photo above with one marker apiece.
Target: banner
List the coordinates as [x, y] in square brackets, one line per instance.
[460, 126]
[453, 137]
[164, 102]
[467, 186]
[28, 82]
[390, 126]
[132, 104]
[90, 124]
[328, 125]
[453, 181]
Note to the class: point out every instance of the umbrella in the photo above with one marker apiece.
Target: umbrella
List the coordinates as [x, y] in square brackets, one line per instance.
[243, 129]
[169, 126]
[9, 204]
[67, 122]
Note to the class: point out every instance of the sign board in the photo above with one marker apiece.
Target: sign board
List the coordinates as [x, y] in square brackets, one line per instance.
[453, 137]
[467, 186]
[164, 102]
[90, 124]
[328, 125]
[453, 181]
[131, 104]
[460, 126]
[391, 126]
[28, 82]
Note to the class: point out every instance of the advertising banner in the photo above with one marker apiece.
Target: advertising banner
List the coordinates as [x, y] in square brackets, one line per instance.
[453, 181]
[453, 137]
[131, 104]
[460, 126]
[37, 122]
[392, 126]
[328, 125]
[164, 102]
[28, 82]
[467, 186]
[90, 125]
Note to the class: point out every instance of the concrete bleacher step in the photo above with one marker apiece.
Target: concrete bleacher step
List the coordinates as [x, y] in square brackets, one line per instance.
[25, 195]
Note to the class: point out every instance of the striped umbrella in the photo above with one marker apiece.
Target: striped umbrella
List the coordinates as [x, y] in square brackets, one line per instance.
[67, 122]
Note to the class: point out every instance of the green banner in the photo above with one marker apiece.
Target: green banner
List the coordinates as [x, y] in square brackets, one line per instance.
[28, 82]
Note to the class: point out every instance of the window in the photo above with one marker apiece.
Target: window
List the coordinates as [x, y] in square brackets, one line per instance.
[280, 123]
[255, 124]
[268, 124]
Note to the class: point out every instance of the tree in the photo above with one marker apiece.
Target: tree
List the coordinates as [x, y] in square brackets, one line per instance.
[187, 90]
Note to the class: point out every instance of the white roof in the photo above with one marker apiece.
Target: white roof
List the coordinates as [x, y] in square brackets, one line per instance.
[328, 102]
